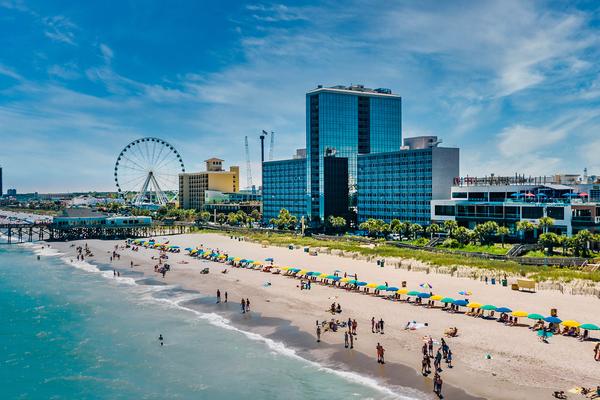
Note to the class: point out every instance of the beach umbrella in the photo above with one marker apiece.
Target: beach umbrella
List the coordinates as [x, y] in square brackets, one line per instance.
[269, 259]
[402, 291]
[346, 279]
[372, 285]
[571, 324]
[336, 278]
[333, 277]
[547, 334]
[381, 287]
[447, 300]
[474, 305]
[188, 249]
[503, 310]
[542, 195]
[488, 307]
[465, 293]
[424, 295]
[520, 313]
[315, 273]
[229, 258]
[553, 320]
[237, 259]
[426, 286]
[461, 303]
[535, 316]
[590, 327]
[303, 272]
[570, 195]
[413, 293]
[174, 247]
[436, 297]
[391, 289]
[361, 283]
[353, 282]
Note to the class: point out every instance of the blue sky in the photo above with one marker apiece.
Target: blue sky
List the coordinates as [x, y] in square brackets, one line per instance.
[514, 84]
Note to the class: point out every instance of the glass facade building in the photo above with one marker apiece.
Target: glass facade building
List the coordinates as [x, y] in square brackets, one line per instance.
[346, 122]
[284, 186]
[401, 184]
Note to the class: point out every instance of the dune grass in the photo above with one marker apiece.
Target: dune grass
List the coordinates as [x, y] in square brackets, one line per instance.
[380, 249]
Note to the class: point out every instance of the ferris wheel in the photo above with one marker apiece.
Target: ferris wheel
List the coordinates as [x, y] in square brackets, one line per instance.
[147, 172]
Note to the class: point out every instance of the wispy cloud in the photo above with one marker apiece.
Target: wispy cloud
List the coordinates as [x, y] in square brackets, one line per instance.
[11, 73]
[60, 29]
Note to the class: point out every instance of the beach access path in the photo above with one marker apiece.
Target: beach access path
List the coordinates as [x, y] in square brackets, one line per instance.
[490, 359]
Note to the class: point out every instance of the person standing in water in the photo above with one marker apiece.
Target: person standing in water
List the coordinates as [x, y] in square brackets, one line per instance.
[247, 305]
[346, 342]
[225, 297]
[351, 339]
[218, 296]
[243, 306]
[161, 339]
[318, 333]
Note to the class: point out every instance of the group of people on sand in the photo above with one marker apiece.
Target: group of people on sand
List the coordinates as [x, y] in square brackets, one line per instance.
[377, 326]
[219, 296]
[335, 309]
[443, 353]
[245, 306]
[83, 252]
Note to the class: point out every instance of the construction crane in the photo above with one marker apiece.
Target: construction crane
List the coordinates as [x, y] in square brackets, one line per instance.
[248, 167]
[271, 146]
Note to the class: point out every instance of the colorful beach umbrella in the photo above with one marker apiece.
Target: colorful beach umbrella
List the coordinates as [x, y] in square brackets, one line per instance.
[391, 289]
[372, 285]
[361, 283]
[346, 279]
[571, 324]
[402, 291]
[553, 320]
[381, 287]
[465, 293]
[503, 310]
[535, 316]
[520, 313]
[474, 305]
[436, 297]
[424, 295]
[188, 249]
[269, 259]
[413, 293]
[447, 300]
[461, 303]
[590, 327]
[426, 286]
[488, 307]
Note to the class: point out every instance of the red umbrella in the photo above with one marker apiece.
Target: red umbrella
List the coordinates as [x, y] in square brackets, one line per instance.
[529, 195]
[583, 194]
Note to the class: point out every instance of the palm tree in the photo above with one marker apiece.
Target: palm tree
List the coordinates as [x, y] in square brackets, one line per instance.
[502, 231]
[546, 223]
[433, 229]
[450, 227]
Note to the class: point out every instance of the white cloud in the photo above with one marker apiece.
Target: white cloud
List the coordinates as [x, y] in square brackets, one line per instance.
[107, 53]
[11, 73]
[67, 71]
[60, 29]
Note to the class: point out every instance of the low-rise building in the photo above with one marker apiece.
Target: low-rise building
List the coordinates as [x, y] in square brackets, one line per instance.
[401, 184]
[508, 200]
[193, 185]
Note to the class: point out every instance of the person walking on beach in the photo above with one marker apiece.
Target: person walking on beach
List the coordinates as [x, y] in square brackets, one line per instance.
[346, 341]
[318, 333]
[373, 325]
[437, 385]
[430, 346]
[445, 349]
[597, 352]
[354, 326]
[225, 297]
[381, 326]
[449, 358]
[114, 273]
[437, 362]
[351, 340]
[243, 306]
[247, 305]
[218, 296]
[131, 264]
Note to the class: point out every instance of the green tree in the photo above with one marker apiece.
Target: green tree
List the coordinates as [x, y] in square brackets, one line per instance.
[463, 235]
[336, 223]
[549, 241]
[374, 227]
[285, 220]
[255, 214]
[204, 216]
[485, 231]
[433, 229]
[502, 231]
[416, 230]
[221, 218]
[581, 243]
[546, 223]
[450, 227]
[395, 226]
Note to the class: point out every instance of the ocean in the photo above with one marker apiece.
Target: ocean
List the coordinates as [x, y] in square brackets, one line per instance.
[75, 332]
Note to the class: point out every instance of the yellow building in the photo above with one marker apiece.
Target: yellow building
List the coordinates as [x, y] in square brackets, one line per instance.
[193, 185]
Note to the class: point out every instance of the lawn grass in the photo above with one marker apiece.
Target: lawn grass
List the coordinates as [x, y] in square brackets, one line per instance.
[495, 249]
[539, 273]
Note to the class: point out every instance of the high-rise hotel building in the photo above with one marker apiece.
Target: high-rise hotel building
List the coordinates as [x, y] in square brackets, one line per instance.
[344, 122]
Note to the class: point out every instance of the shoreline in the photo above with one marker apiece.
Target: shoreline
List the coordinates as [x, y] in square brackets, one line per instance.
[465, 376]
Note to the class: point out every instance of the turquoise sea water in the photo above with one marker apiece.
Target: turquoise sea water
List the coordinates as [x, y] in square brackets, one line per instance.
[69, 333]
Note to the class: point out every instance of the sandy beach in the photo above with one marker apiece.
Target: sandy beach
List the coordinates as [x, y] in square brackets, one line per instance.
[490, 360]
